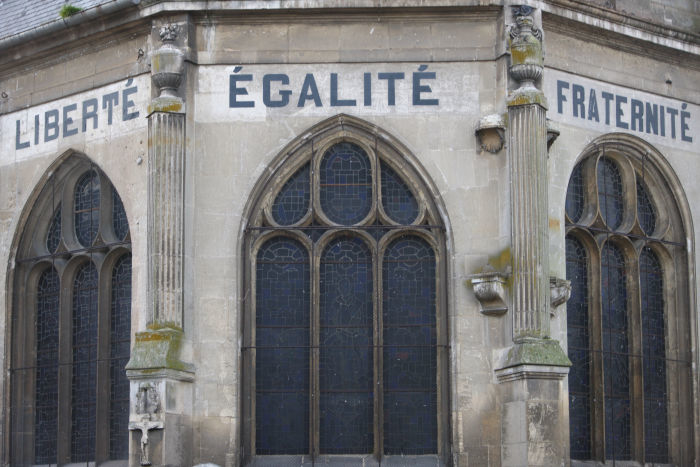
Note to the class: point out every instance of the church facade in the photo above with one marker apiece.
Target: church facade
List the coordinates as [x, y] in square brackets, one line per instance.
[400, 233]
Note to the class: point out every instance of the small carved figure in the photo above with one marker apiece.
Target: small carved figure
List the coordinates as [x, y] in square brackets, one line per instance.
[147, 409]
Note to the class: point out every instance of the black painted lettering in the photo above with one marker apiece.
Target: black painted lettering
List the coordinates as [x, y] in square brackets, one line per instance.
[235, 91]
[368, 89]
[607, 97]
[108, 102]
[391, 87]
[593, 106]
[90, 112]
[20, 144]
[335, 101]
[672, 117]
[36, 129]
[68, 121]
[561, 98]
[283, 93]
[652, 118]
[419, 88]
[309, 91]
[126, 103]
[662, 120]
[577, 100]
[619, 100]
[50, 125]
[637, 115]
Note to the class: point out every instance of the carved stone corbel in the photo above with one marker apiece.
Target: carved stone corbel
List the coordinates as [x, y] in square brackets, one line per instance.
[559, 292]
[489, 288]
[490, 132]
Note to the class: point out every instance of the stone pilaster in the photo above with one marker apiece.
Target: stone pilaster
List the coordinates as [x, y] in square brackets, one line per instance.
[533, 369]
[161, 394]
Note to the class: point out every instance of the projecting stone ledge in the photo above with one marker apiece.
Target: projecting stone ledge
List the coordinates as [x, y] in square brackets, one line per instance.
[156, 353]
[531, 357]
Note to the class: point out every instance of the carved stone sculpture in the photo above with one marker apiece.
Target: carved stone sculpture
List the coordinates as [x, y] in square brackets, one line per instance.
[147, 417]
[167, 63]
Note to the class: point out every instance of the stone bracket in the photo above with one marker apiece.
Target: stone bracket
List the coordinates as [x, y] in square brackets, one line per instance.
[490, 132]
[534, 352]
[157, 351]
[489, 288]
[559, 292]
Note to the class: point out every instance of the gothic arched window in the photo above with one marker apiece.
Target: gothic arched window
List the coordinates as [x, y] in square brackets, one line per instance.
[627, 326]
[345, 343]
[71, 323]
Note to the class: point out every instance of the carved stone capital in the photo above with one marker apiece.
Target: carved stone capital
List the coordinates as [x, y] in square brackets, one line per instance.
[527, 60]
[489, 288]
[490, 132]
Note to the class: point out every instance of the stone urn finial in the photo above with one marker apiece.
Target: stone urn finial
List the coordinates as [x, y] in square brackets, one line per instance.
[527, 61]
[168, 63]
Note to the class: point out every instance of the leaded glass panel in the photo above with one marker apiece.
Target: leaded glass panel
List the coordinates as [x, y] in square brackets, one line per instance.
[87, 208]
[120, 223]
[292, 202]
[397, 199]
[46, 394]
[575, 194]
[610, 192]
[345, 368]
[53, 237]
[410, 360]
[84, 368]
[645, 210]
[282, 342]
[346, 183]
[615, 353]
[120, 337]
[654, 349]
[577, 332]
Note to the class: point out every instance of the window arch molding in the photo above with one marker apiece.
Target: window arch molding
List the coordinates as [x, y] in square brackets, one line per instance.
[45, 240]
[661, 203]
[260, 227]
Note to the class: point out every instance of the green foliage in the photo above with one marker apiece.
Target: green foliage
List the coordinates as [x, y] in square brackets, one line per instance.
[68, 10]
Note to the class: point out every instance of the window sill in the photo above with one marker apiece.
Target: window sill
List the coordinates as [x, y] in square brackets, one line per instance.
[346, 460]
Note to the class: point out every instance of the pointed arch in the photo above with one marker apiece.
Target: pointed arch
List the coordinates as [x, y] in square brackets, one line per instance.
[49, 236]
[646, 416]
[363, 209]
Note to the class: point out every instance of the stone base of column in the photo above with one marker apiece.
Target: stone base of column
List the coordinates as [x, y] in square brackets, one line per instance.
[534, 428]
[160, 418]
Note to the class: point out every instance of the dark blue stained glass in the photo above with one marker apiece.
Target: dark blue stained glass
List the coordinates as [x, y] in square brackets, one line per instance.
[85, 305]
[120, 338]
[615, 353]
[120, 223]
[346, 183]
[282, 314]
[410, 352]
[46, 396]
[654, 361]
[292, 202]
[578, 350]
[646, 213]
[346, 354]
[53, 237]
[397, 199]
[87, 208]
[575, 200]
[610, 192]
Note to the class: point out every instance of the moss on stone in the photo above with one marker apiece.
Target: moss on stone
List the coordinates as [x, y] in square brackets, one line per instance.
[158, 349]
[535, 351]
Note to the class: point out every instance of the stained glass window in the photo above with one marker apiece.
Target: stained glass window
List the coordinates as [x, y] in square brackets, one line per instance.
[72, 416]
[578, 350]
[120, 338]
[120, 223]
[87, 208]
[410, 373]
[53, 238]
[283, 306]
[346, 183]
[645, 210]
[574, 195]
[610, 192]
[397, 199]
[346, 345]
[46, 411]
[345, 370]
[654, 349]
[292, 202]
[84, 368]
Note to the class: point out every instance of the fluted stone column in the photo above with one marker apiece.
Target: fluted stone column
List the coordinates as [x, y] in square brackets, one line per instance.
[534, 424]
[161, 394]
